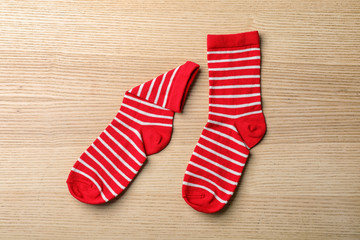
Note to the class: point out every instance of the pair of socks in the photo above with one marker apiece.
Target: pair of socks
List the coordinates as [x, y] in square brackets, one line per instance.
[143, 126]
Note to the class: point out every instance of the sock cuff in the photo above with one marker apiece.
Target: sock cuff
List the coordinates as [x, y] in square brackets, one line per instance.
[181, 84]
[233, 40]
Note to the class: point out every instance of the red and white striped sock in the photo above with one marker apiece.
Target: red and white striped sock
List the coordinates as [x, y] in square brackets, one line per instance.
[142, 127]
[236, 122]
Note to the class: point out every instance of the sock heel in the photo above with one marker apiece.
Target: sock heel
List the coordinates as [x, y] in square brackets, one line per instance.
[251, 128]
[155, 138]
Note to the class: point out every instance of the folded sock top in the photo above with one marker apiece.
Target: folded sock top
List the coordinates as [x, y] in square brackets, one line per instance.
[170, 89]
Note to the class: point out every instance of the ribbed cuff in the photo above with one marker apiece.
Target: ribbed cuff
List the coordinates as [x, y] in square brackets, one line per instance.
[233, 40]
[181, 84]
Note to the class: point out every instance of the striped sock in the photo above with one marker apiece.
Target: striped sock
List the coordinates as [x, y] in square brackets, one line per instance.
[236, 122]
[142, 127]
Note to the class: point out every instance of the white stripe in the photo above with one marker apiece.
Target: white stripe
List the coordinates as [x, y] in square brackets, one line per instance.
[216, 164]
[234, 59]
[235, 116]
[146, 103]
[130, 90]
[145, 123]
[209, 181]
[224, 146]
[235, 86]
[234, 68]
[224, 125]
[122, 148]
[235, 96]
[213, 173]
[130, 128]
[146, 113]
[105, 170]
[159, 89]
[117, 155]
[168, 87]
[140, 89]
[93, 180]
[129, 140]
[234, 51]
[235, 106]
[228, 126]
[150, 89]
[99, 176]
[225, 136]
[111, 163]
[207, 189]
[234, 77]
[221, 155]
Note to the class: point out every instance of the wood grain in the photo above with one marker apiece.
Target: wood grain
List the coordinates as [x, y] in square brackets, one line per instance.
[65, 65]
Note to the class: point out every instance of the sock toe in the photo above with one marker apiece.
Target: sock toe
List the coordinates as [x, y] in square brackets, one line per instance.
[201, 200]
[84, 191]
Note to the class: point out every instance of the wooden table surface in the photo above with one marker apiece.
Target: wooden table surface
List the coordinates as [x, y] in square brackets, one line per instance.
[64, 68]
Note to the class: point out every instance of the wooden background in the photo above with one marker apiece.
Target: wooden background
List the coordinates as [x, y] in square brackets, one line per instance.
[64, 68]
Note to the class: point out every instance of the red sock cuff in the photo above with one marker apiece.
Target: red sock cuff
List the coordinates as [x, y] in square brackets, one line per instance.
[233, 40]
[182, 81]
